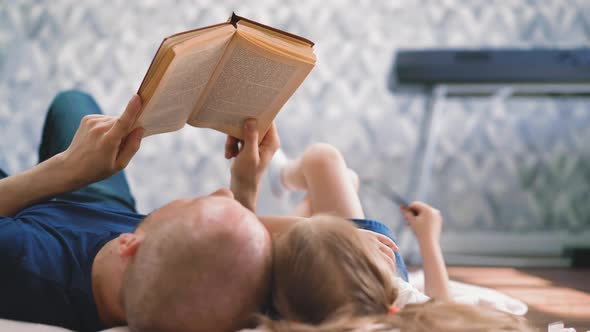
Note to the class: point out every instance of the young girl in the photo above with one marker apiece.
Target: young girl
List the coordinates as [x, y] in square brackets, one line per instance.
[331, 275]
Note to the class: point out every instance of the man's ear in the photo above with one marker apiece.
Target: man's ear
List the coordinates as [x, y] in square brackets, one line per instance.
[128, 244]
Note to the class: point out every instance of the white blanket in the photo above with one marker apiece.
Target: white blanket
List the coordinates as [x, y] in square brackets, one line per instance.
[471, 294]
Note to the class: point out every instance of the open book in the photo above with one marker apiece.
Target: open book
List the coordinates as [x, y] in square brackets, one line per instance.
[218, 76]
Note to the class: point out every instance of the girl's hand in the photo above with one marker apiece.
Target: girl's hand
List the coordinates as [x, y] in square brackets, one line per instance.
[381, 243]
[426, 223]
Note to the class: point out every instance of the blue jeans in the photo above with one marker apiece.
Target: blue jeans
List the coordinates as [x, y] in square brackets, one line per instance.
[377, 227]
[63, 118]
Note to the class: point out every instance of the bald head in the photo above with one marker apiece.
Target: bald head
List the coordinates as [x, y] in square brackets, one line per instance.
[202, 265]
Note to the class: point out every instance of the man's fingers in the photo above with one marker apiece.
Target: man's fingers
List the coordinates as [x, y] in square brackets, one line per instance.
[250, 148]
[90, 117]
[126, 121]
[270, 143]
[231, 147]
[97, 120]
[129, 147]
[271, 138]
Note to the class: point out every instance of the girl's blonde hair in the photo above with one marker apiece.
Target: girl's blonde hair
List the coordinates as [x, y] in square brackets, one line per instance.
[425, 317]
[327, 278]
[323, 266]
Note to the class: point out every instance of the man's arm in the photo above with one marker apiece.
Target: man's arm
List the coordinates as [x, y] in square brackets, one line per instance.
[101, 147]
[34, 185]
[426, 225]
[250, 162]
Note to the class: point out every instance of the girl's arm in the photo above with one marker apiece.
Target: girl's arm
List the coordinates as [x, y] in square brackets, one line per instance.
[426, 225]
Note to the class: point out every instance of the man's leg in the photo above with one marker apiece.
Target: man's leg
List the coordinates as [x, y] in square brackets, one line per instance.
[331, 189]
[63, 118]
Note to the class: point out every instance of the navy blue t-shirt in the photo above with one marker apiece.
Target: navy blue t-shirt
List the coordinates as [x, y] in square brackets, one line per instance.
[46, 255]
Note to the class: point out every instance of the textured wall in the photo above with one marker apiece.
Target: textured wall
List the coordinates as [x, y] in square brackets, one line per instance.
[518, 166]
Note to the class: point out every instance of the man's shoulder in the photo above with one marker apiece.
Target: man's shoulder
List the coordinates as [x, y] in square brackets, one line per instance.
[11, 240]
[80, 216]
[38, 241]
[57, 232]
[48, 250]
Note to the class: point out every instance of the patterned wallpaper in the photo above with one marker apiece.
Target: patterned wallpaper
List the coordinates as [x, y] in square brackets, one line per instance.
[517, 166]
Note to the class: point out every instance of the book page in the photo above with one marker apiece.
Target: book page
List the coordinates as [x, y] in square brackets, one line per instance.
[277, 42]
[251, 82]
[165, 46]
[183, 83]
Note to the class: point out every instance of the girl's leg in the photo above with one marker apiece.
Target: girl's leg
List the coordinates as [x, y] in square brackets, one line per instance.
[303, 209]
[322, 172]
[331, 188]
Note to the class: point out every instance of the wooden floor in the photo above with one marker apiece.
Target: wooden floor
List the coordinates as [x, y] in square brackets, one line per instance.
[551, 294]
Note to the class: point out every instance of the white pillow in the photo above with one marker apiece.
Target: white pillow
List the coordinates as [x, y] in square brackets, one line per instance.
[477, 295]
[16, 326]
